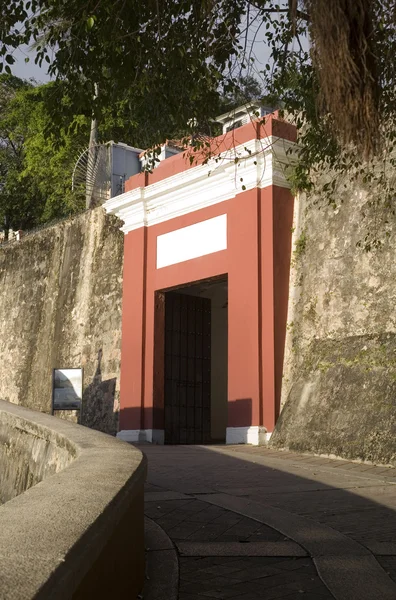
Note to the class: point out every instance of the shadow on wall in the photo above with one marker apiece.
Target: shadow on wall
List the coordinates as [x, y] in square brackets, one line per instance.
[98, 402]
[141, 421]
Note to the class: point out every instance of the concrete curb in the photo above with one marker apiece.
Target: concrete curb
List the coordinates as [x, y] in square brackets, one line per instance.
[77, 533]
[355, 578]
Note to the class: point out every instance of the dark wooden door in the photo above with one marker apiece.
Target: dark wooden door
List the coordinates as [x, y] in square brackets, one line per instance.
[187, 369]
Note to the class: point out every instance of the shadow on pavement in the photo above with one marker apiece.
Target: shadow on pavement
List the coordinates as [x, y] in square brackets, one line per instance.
[342, 514]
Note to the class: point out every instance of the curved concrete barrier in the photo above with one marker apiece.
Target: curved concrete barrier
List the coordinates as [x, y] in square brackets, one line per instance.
[78, 529]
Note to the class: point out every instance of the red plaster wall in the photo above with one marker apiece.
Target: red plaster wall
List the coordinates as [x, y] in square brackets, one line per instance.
[257, 262]
[139, 180]
[276, 219]
[267, 308]
[132, 343]
[243, 311]
[270, 125]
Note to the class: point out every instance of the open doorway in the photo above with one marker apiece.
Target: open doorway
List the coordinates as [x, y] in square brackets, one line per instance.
[195, 363]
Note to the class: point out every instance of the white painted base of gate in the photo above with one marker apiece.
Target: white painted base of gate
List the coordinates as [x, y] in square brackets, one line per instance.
[154, 436]
[254, 435]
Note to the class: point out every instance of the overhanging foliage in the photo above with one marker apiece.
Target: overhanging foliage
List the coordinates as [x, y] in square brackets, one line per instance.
[169, 62]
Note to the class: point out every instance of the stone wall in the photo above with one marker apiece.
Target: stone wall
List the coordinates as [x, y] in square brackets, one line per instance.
[78, 533]
[339, 385]
[29, 454]
[60, 306]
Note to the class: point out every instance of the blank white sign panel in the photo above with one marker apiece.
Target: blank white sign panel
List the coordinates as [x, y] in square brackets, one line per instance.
[190, 242]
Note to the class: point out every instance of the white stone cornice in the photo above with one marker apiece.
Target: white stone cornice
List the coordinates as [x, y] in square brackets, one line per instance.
[258, 163]
[128, 198]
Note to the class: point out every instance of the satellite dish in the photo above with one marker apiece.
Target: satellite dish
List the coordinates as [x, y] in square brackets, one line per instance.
[92, 174]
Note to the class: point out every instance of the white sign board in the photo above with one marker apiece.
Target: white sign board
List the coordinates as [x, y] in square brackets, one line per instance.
[193, 241]
[67, 387]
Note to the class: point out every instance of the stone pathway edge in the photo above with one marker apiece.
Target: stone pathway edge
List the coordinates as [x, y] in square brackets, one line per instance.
[162, 564]
[348, 569]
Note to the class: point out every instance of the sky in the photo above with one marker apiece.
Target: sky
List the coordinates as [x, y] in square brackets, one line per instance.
[28, 70]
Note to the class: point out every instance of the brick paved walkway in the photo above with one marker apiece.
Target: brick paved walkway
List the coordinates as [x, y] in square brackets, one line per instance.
[251, 523]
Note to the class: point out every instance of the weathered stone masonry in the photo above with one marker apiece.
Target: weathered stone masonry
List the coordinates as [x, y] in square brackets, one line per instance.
[339, 382]
[60, 306]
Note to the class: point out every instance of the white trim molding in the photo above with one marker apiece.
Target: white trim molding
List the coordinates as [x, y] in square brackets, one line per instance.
[158, 436]
[254, 435]
[154, 436]
[255, 164]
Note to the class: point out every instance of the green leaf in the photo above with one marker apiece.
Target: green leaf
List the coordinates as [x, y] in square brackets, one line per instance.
[90, 22]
